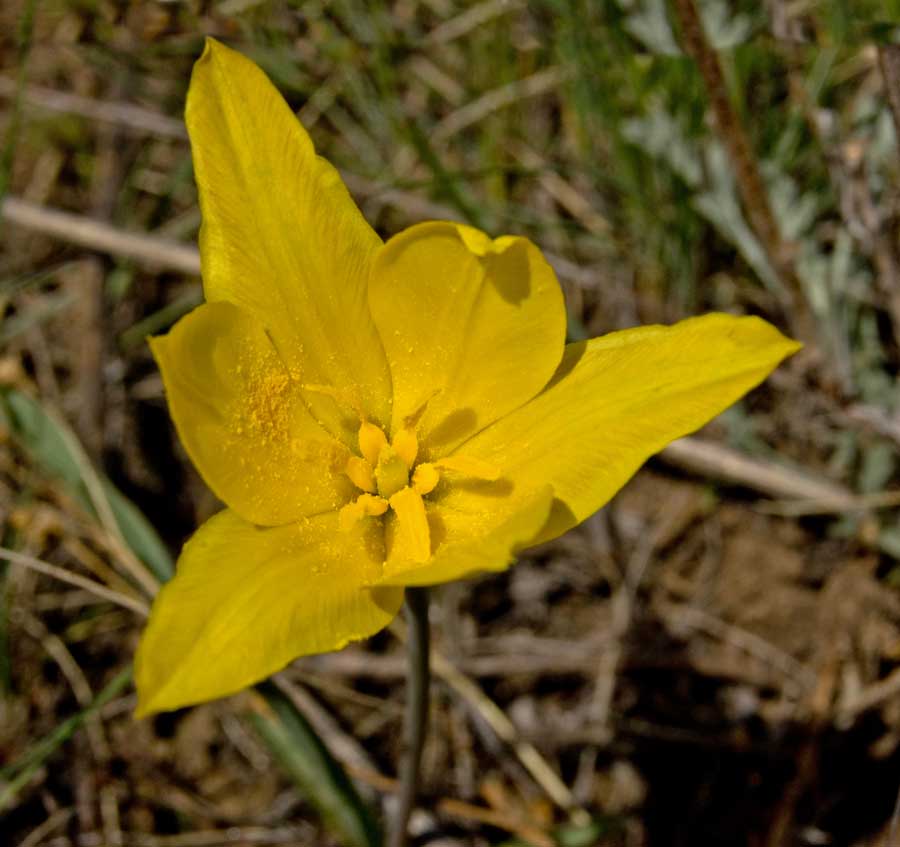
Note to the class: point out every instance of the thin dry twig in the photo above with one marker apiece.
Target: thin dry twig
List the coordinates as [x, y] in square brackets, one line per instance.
[722, 463]
[498, 98]
[496, 719]
[95, 588]
[53, 821]
[889, 64]
[96, 235]
[56, 648]
[802, 508]
[256, 835]
[802, 677]
[99, 499]
[459, 808]
[343, 745]
[472, 18]
[135, 118]
[876, 419]
[871, 696]
[749, 180]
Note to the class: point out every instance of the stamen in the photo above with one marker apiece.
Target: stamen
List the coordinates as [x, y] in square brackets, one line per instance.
[366, 505]
[468, 466]
[414, 534]
[425, 478]
[360, 473]
[371, 440]
[406, 445]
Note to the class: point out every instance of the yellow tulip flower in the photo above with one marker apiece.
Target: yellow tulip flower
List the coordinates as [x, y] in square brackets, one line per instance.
[379, 415]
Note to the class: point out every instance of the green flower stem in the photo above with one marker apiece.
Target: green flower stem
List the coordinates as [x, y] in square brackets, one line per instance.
[415, 721]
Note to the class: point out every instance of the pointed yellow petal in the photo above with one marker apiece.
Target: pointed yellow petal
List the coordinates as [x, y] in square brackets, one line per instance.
[618, 399]
[475, 527]
[241, 417]
[246, 601]
[475, 325]
[413, 535]
[371, 439]
[281, 235]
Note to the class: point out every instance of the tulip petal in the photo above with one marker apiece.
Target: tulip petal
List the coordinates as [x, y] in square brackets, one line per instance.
[282, 238]
[473, 328]
[241, 416]
[617, 400]
[246, 601]
[475, 526]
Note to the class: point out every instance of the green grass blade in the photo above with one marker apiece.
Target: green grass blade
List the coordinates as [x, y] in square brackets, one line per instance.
[323, 781]
[18, 774]
[48, 446]
[292, 741]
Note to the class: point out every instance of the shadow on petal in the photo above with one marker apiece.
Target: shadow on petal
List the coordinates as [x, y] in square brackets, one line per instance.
[509, 272]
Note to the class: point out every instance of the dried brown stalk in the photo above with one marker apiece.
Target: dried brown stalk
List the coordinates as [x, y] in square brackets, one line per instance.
[746, 170]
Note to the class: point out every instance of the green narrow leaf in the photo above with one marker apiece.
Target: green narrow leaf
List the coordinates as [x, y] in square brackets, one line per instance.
[323, 781]
[293, 742]
[49, 448]
[18, 774]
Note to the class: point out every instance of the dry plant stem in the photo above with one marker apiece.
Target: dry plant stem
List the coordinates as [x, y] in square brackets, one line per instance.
[749, 181]
[504, 729]
[415, 721]
[97, 235]
[63, 575]
[887, 255]
[716, 461]
[889, 63]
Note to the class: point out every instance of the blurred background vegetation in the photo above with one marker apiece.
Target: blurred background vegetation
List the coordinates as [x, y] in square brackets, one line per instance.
[712, 660]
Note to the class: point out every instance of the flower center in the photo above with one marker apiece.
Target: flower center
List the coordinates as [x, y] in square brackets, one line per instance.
[389, 478]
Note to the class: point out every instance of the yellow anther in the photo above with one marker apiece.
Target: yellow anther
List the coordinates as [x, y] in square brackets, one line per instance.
[414, 535]
[360, 473]
[425, 478]
[366, 505]
[406, 445]
[469, 467]
[391, 472]
[371, 440]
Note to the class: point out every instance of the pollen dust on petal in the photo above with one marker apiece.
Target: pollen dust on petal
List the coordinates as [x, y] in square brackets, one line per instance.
[264, 411]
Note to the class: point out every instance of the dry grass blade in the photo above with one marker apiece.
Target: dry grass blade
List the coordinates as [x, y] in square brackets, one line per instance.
[95, 235]
[498, 98]
[134, 604]
[493, 715]
[57, 650]
[472, 18]
[774, 480]
[135, 118]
